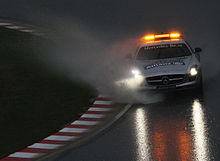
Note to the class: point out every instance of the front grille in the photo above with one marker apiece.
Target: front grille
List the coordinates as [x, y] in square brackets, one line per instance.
[165, 80]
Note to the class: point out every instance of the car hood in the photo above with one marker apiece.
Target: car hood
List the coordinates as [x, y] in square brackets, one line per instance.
[157, 67]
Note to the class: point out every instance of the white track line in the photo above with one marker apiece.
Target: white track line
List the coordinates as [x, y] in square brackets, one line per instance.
[14, 27]
[20, 28]
[85, 122]
[102, 102]
[77, 130]
[44, 146]
[5, 24]
[24, 155]
[92, 116]
[60, 138]
[99, 109]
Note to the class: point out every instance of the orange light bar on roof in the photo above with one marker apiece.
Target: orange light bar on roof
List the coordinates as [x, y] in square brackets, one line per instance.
[149, 37]
[175, 35]
[162, 36]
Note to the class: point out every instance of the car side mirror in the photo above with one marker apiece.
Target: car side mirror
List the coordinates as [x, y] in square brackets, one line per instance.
[197, 50]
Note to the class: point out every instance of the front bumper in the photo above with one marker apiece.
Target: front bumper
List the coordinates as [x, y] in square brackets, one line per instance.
[188, 84]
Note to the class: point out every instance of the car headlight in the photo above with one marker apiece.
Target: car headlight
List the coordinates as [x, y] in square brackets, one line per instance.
[136, 72]
[193, 71]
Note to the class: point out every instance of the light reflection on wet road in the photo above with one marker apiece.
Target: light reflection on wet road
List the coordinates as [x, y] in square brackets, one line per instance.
[142, 138]
[200, 132]
[169, 130]
[173, 137]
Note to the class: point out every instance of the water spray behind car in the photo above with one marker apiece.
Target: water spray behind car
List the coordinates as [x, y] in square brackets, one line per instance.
[83, 57]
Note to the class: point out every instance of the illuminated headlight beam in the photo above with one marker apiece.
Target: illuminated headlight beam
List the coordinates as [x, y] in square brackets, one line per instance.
[193, 71]
[131, 83]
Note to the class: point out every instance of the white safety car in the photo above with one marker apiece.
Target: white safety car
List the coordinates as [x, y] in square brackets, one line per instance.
[166, 61]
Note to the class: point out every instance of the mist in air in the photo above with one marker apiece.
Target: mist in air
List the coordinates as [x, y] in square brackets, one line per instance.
[94, 51]
[98, 33]
[82, 56]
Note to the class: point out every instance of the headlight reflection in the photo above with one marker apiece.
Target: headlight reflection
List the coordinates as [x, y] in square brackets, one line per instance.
[201, 150]
[143, 148]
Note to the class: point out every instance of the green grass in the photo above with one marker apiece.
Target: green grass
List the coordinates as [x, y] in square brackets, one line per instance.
[34, 101]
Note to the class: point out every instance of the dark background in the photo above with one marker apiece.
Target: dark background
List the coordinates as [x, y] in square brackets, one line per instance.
[124, 16]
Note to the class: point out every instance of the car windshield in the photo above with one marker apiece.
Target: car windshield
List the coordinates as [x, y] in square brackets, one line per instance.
[163, 51]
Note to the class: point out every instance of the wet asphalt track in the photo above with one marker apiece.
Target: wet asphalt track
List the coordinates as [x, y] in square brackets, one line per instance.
[183, 127]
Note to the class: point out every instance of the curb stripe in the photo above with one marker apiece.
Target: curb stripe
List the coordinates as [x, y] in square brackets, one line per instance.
[44, 146]
[74, 130]
[102, 102]
[103, 99]
[60, 138]
[80, 126]
[34, 150]
[101, 106]
[97, 112]
[24, 155]
[15, 27]
[5, 24]
[85, 122]
[90, 119]
[92, 116]
[24, 28]
[99, 109]
[69, 134]
[54, 142]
